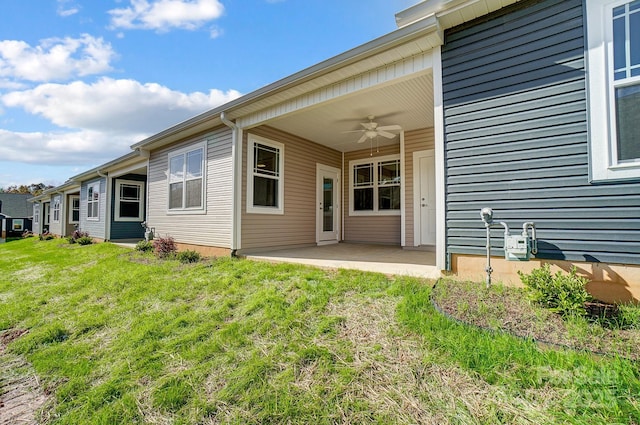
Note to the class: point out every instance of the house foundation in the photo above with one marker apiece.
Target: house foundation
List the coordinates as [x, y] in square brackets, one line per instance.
[608, 282]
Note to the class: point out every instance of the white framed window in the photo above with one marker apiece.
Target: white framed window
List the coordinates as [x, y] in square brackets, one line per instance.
[93, 201]
[375, 185]
[55, 209]
[186, 179]
[265, 176]
[46, 213]
[613, 65]
[129, 204]
[74, 210]
[36, 213]
[17, 224]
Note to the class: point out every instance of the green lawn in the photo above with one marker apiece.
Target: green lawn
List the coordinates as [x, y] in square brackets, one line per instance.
[115, 336]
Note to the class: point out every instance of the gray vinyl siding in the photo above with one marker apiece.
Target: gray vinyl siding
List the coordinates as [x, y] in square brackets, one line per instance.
[127, 229]
[516, 139]
[95, 228]
[213, 226]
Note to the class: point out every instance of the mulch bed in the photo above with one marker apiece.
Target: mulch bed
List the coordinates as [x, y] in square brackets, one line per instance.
[508, 310]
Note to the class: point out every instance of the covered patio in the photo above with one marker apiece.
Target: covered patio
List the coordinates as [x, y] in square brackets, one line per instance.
[366, 257]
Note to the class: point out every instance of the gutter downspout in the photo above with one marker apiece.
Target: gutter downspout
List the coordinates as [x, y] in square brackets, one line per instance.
[236, 157]
[107, 214]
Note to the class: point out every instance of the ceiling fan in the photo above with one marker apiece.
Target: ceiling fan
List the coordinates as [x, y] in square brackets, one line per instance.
[371, 130]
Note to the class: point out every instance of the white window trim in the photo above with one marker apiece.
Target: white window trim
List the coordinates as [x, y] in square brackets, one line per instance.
[36, 213]
[71, 198]
[96, 188]
[140, 184]
[602, 133]
[46, 213]
[183, 151]
[56, 208]
[376, 161]
[252, 209]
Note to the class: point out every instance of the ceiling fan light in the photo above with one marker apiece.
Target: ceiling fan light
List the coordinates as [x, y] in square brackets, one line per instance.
[371, 133]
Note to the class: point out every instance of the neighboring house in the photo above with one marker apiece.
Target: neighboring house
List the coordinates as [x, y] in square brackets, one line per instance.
[15, 204]
[108, 201]
[526, 107]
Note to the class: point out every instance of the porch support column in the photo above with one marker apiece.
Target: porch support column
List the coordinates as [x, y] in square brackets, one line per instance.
[403, 197]
[438, 124]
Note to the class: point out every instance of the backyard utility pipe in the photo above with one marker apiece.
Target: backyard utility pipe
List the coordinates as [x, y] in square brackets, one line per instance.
[487, 216]
[236, 154]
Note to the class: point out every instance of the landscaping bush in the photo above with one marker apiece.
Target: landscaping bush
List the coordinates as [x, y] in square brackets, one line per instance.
[144, 246]
[46, 236]
[164, 247]
[562, 293]
[77, 234]
[84, 240]
[188, 256]
[628, 316]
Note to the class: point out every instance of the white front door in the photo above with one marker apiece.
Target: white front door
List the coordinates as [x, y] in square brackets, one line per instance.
[425, 202]
[327, 205]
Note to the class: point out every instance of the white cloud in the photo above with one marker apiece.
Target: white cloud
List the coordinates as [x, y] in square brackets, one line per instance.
[73, 148]
[163, 15]
[67, 8]
[55, 58]
[114, 106]
[215, 32]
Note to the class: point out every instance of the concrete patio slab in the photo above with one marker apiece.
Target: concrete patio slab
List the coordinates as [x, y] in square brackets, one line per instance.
[385, 259]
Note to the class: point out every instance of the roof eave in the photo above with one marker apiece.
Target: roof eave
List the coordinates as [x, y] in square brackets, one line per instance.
[388, 41]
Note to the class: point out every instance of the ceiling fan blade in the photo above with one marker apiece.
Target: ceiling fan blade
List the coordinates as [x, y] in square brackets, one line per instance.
[352, 131]
[386, 134]
[394, 127]
[363, 138]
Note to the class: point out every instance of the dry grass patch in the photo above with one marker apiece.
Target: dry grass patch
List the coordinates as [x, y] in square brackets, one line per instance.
[396, 376]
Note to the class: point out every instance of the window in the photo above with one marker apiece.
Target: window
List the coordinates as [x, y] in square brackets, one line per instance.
[55, 208]
[46, 213]
[265, 181]
[129, 200]
[74, 211]
[93, 201]
[17, 224]
[186, 179]
[375, 186]
[613, 31]
[36, 213]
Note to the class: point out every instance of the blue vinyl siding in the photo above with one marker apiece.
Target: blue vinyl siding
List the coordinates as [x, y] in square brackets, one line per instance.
[516, 138]
[127, 229]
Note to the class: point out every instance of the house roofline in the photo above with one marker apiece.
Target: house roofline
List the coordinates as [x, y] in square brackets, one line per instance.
[386, 42]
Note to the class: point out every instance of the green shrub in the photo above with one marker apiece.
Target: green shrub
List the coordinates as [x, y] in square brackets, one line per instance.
[84, 240]
[188, 256]
[46, 236]
[629, 316]
[144, 246]
[77, 234]
[164, 247]
[561, 293]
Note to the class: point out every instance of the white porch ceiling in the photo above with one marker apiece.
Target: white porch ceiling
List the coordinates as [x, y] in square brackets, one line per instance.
[408, 103]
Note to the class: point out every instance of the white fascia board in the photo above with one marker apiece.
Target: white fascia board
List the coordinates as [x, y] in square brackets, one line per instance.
[464, 10]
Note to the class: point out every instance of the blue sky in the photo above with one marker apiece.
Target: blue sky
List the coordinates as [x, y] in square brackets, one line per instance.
[81, 81]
